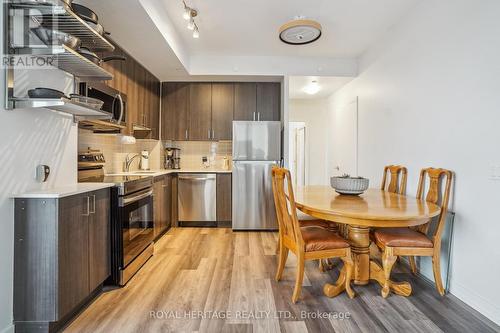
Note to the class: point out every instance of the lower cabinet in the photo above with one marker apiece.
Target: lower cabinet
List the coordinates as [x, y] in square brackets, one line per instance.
[162, 204]
[61, 256]
[224, 194]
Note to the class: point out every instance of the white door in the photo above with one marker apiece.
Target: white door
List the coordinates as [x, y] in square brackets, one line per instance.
[346, 139]
[297, 149]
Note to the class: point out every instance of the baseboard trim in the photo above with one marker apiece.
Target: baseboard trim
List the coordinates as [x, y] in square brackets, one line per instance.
[8, 329]
[476, 301]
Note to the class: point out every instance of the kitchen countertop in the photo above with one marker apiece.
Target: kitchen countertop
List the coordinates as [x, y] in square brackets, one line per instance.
[156, 173]
[63, 191]
[66, 191]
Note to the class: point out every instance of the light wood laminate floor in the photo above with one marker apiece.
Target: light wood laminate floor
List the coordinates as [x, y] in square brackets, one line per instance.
[199, 275]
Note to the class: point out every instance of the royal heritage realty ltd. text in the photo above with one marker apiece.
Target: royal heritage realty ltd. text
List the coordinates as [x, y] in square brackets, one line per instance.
[247, 315]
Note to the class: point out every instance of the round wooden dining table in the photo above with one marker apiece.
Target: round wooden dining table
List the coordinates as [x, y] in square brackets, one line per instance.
[372, 209]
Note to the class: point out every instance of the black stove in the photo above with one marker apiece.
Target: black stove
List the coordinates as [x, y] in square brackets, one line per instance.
[132, 229]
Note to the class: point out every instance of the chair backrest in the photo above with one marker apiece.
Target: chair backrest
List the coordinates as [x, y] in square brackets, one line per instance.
[436, 195]
[397, 183]
[284, 201]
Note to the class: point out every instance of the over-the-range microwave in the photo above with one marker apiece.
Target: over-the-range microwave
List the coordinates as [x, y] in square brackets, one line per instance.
[115, 102]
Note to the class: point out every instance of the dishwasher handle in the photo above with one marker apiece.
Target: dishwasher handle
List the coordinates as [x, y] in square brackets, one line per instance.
[198, 177]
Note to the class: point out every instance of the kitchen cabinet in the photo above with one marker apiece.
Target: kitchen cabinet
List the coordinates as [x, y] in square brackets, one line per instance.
[175, 203]
[143, 93]
[200, 111]
[175, 112]
[268, 101]
[61, 256]
[245, 101]
[99, 239]
[73, 253]
[224, 181]
[222, 111]
[162, 204]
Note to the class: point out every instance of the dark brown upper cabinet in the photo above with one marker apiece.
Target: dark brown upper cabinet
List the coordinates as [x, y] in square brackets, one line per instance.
[143, 93]
[175, 112]
[204, 111]
[268, 101]
[222, 111]
[200, 111]
[245, 101]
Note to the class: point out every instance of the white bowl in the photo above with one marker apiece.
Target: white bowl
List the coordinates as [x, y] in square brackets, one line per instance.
[348, 185]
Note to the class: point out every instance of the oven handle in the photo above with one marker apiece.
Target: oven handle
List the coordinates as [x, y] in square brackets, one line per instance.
[136, 197]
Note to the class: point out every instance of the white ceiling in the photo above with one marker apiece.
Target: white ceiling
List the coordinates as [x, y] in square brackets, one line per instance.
[242, 27]
[328, 86]
[132, 28]
[241, 36]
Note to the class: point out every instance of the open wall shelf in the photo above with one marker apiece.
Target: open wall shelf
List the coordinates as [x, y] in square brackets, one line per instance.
[61, 105]
[57, 15]
[70, 61]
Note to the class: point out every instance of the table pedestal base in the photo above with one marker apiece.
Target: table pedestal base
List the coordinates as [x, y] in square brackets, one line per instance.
[364, 268]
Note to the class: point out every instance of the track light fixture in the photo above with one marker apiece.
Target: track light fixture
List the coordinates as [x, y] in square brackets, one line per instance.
[189, 14]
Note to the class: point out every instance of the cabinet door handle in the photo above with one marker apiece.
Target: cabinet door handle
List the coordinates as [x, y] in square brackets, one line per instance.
[93, 205]
[254, 116]
[208, 134]
[258, 116]
[213, 135]
[186, 134]
[88, 207]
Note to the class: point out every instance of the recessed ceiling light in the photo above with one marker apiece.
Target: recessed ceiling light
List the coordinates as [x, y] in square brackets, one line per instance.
[312, 88]
[300, 31]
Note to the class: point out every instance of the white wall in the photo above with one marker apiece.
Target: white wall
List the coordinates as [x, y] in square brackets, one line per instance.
[429, 96]
[313, 112]
[29, 138]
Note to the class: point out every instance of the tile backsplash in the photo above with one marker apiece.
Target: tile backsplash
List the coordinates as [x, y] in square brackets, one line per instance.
[193, 151]
[115, 152]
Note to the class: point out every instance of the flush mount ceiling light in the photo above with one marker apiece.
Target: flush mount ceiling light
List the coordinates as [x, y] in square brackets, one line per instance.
[189, 14]
[300, 31]
[312, 88]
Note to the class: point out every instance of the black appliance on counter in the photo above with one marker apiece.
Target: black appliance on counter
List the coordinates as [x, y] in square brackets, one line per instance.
[132, 229]
[115, 103]
[172, 158]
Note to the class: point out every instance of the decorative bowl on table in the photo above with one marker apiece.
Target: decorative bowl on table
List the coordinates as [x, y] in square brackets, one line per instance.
[346, 184]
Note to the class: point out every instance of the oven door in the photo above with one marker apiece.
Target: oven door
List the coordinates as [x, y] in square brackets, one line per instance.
[137, 223]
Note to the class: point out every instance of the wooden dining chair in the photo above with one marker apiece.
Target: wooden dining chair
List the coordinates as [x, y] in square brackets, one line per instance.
[416, 242]
[397, 182]
[307, 242]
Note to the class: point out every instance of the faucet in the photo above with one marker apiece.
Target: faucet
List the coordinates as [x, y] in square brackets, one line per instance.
[129, 160]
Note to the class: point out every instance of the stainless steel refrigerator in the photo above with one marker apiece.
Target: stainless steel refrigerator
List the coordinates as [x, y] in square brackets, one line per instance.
[256, 148]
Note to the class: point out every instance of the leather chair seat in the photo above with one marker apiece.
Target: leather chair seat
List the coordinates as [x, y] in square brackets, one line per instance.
[319, 239]
[401, 237]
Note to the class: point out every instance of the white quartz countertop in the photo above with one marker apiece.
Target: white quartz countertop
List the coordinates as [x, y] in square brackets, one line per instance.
[156, 173]
[63, 191]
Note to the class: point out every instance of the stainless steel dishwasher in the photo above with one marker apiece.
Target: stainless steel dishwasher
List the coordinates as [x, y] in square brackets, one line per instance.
[197, 199]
